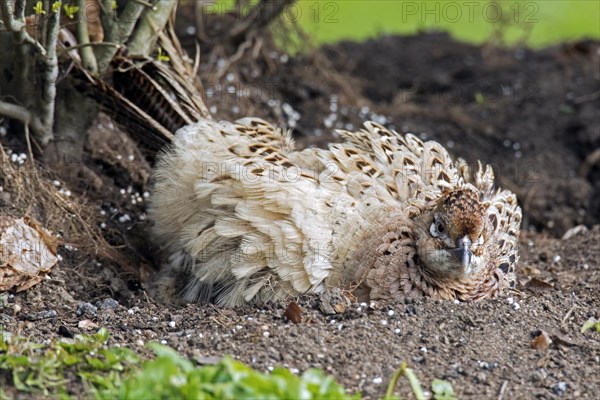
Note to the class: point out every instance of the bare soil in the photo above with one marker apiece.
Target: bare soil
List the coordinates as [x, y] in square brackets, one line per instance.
[534, 115]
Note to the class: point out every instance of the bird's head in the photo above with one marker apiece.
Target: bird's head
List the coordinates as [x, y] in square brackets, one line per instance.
[451, 235]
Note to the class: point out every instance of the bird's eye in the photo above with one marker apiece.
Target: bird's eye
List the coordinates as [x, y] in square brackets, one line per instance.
[436, 229]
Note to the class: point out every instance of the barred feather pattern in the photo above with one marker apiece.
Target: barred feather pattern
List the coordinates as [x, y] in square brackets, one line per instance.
[241, 216]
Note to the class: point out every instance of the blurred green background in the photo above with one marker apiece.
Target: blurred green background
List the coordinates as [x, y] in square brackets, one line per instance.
[532, 22]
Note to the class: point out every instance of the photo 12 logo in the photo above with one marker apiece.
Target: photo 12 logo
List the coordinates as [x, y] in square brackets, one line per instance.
[469, 11]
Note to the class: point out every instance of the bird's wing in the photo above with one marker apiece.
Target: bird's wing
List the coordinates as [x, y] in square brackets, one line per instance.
[230, 197]
[505, 216]
[409, 167]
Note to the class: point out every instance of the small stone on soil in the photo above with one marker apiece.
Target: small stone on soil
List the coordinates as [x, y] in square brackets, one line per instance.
[86, 309]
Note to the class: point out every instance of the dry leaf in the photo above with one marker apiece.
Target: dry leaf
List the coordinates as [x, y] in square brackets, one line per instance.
[27, 253]
[293, 313]
[538, 286]
[87, 325]
[541, 341]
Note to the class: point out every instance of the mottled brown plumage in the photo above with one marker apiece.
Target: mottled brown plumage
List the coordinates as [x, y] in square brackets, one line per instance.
[243, 217]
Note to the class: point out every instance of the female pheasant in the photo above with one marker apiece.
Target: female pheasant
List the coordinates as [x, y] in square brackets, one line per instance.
[243, 217]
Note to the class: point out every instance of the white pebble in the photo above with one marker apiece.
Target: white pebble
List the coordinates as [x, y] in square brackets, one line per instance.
[556, 258]
[391, 313]
[377, 380]
[172, 324]
[384, 322]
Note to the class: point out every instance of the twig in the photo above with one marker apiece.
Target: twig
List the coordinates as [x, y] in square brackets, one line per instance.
[153, 21]
[566, 317]
[110, 25]
[128, 19]
[46, 103]
[502, 390]
[17, 26]
[90, 44]
[237, 56]
[592, 159]
[88, 58]
[21, 114]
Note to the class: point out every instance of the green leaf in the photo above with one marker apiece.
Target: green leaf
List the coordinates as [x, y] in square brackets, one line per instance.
[70, 11]
[38, 9]
[442, 390]
[590, 323]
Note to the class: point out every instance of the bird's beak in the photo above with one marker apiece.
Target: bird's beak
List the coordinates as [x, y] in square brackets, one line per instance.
[463, 253]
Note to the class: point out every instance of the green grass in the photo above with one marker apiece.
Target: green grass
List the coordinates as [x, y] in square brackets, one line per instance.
[92, 369]
[537, 23]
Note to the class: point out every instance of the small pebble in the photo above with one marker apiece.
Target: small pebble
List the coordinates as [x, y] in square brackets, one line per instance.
[107, 304]
[377, 380]
[86, 309]
[560, 388]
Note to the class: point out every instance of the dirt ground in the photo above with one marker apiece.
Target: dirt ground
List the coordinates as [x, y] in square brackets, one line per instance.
[533, 115]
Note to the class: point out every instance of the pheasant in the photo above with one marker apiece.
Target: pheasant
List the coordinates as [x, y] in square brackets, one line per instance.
[241, 216]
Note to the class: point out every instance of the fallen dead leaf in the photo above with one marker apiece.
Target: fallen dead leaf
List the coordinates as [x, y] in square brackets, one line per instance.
[87, 325]
[536, 285]
[293, 313]
[27, 253]
[542, 341]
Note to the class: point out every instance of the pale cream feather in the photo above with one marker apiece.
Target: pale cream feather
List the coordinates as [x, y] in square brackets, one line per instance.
[241, 216]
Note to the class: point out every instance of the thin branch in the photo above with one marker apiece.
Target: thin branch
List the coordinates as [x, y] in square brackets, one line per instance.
[17, 26]
[128, 18]
[90, 44]
[45, 103]
[108, 17]
[151, 24]
[20, 114]
[8, 17]
[88, 58]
